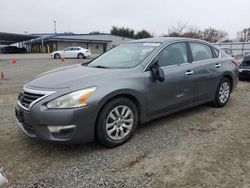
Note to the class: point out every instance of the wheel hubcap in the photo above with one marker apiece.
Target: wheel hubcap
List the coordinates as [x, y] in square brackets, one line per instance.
[119, 122]
[224, 92]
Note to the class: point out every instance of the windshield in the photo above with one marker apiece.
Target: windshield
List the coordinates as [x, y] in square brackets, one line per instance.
[124, 56]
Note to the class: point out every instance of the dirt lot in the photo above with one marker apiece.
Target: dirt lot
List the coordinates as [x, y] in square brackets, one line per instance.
[199, 147]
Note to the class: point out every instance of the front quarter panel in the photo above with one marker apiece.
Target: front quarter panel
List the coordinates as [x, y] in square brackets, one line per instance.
[129, 82]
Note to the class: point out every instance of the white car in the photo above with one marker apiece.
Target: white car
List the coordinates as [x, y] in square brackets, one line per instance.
[71, 52]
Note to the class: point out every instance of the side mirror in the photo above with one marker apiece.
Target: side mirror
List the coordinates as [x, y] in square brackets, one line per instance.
[157, 72]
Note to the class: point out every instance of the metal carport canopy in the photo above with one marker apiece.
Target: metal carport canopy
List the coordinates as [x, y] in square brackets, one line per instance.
[12, 38]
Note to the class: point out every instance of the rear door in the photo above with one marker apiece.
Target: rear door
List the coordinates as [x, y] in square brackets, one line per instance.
[207, 71]
[177, 89]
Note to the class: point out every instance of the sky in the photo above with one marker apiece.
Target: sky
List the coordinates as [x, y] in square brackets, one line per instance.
[156, 16]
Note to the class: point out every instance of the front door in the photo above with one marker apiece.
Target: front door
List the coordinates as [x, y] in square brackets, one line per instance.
[177, 90]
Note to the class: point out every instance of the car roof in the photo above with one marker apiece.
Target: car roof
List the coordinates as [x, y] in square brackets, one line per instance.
[168, 40]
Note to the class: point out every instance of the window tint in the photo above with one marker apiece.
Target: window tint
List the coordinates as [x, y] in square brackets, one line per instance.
[173, 54]
[200, 51]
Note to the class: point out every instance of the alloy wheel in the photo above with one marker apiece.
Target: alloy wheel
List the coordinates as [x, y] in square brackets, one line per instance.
[224, 92]
[119, 122]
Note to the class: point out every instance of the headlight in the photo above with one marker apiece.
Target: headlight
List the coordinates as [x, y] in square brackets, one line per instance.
[72, 100]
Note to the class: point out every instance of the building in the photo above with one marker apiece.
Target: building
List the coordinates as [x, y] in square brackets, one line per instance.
[97, 43]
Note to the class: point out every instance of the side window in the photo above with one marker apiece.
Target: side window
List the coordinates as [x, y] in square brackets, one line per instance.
[200, 51]
[229, 51]
[67, 49]
[173, 54]
[216, 53]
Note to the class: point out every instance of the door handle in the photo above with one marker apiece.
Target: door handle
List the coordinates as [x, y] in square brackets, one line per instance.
[189, 72]
[217, 65]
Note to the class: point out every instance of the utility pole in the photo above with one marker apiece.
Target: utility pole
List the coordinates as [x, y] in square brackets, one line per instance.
[55, 27]
[42, 45]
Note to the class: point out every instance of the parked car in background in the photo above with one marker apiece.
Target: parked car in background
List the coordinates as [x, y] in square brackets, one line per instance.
[228, 51]
[244, 68]
[72, 52]
[13, 50]
[130, 84]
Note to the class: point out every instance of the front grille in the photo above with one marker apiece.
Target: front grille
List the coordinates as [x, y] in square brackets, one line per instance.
[26, 98]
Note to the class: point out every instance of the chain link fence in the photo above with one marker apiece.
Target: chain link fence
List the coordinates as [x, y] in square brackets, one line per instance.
[238, 48]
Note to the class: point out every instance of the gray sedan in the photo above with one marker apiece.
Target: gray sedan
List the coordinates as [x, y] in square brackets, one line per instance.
[130, 84]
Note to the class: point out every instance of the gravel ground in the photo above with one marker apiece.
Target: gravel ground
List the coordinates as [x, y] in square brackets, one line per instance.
[199, 147]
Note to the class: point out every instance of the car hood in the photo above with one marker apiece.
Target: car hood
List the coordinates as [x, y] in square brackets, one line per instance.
[71, 76]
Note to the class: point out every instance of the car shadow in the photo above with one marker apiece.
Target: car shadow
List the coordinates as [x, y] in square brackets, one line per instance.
[174, 116]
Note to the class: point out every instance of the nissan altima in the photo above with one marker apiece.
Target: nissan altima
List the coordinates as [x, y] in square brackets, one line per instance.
[129, 85]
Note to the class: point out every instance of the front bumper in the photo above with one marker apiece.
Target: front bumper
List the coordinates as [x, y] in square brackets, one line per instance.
[244, 73]
[34, 123]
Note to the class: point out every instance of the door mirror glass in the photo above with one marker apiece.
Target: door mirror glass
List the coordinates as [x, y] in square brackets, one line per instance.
[157, 72]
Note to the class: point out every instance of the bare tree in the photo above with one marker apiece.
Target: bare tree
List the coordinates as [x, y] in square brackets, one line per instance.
[244, 35]
[184, 30]
[214, 35]
[193, 32]
[177, 31]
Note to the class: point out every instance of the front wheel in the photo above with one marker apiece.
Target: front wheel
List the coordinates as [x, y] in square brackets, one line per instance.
[222, 94]
[117, 122]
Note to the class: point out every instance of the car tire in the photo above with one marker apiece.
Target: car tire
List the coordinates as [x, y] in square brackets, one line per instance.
[117, 122]
[222, 94]
[80, 56]
[57, 56]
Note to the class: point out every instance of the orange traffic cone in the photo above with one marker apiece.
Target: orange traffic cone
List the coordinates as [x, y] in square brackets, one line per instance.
[62, 59]
[13, 60]
[1, 76]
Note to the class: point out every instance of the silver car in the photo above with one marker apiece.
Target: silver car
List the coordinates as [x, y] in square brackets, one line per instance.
[130, 84]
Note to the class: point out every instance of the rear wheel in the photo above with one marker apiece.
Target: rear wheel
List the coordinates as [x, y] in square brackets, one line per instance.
[117, 122]
[57, 56]
[80, 56]
[222, 94]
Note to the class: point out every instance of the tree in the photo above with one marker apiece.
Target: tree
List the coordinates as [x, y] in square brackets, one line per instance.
[176, 31]
[123, 32]
[214, 35]
[244, 35]
[192, 32]
[209, 34]
[143, 34]
[183, 30]
[94, 32]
